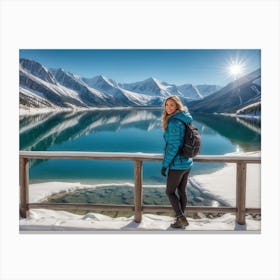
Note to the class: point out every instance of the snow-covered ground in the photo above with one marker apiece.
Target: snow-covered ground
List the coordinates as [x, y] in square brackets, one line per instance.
[26, 111]
[220, 184]
[50, 220]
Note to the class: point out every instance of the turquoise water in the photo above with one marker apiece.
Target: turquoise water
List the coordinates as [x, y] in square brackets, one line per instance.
[126, 130]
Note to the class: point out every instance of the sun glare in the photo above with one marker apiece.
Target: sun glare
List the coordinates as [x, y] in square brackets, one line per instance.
[236, 68]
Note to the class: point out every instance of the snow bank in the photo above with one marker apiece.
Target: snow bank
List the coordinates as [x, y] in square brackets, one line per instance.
[25, 111]
[28, 111]
[245, 116]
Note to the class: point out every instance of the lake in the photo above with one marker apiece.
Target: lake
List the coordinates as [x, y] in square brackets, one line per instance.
[123, 130]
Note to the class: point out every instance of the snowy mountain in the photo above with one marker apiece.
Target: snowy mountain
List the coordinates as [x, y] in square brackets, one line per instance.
[190, 91]
[155, 87]
[236, 95]
[37, 70]
[117, 93]
[41, 87]
[102, 83]
[89, 96]
[206, 90]
[152, 87]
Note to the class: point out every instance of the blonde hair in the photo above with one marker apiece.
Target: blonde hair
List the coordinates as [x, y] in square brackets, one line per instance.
[179, 108]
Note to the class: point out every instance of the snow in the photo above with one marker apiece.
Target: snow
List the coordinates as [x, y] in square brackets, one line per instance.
[27, 111]
[220, 185]
[257, 82]
[32, 92]
[245, 116]
[50, 220]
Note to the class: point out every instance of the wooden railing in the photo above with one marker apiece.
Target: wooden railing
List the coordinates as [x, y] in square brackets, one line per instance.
[241, 164]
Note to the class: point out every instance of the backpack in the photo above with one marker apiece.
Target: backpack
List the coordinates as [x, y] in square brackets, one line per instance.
[192, 142]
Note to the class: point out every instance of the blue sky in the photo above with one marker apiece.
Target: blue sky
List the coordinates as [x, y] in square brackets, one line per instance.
[198, 66]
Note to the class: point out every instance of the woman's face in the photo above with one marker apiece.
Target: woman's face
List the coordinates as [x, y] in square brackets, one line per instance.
[170, 107]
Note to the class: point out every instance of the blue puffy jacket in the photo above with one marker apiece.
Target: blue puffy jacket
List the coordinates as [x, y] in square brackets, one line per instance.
[174, 137]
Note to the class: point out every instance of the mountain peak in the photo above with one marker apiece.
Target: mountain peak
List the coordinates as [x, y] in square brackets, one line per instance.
[101, 82]
[37, 69]
[152, 79]
[32, 65]
[101, 77]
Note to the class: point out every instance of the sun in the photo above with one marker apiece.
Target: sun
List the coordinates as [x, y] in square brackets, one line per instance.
[236, 68]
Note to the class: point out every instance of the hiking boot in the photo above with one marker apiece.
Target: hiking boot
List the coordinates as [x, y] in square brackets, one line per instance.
[181, 222]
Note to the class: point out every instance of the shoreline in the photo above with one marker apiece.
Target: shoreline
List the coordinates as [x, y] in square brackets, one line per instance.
[243, 116]
[38, 111]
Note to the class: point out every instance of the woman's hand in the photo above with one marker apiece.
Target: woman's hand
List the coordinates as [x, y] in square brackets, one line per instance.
[163, 171]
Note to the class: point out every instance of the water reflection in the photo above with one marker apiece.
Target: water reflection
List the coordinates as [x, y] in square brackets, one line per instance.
[43, 131]
[244, 133]
[125, 130]
[251, 123]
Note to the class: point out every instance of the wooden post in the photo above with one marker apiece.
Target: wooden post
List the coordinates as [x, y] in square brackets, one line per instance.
[138, 190]
[24, 181]
[241, 192]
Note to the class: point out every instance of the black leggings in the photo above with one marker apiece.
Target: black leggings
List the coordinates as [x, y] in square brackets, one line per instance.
[177, 180]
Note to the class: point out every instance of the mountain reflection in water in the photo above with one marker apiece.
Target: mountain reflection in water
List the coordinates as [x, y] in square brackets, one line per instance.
[123, 130]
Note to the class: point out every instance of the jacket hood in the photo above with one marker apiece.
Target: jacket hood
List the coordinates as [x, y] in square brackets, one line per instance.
[183, 116]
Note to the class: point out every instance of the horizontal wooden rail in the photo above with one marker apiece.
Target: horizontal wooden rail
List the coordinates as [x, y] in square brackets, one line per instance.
[241, 162]
[132, 156]
[82, 206]
[144, 208]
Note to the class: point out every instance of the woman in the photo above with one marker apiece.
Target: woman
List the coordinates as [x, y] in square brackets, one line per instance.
[173, 122]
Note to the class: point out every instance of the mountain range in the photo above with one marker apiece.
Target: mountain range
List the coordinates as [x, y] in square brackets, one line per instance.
[41, 87]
